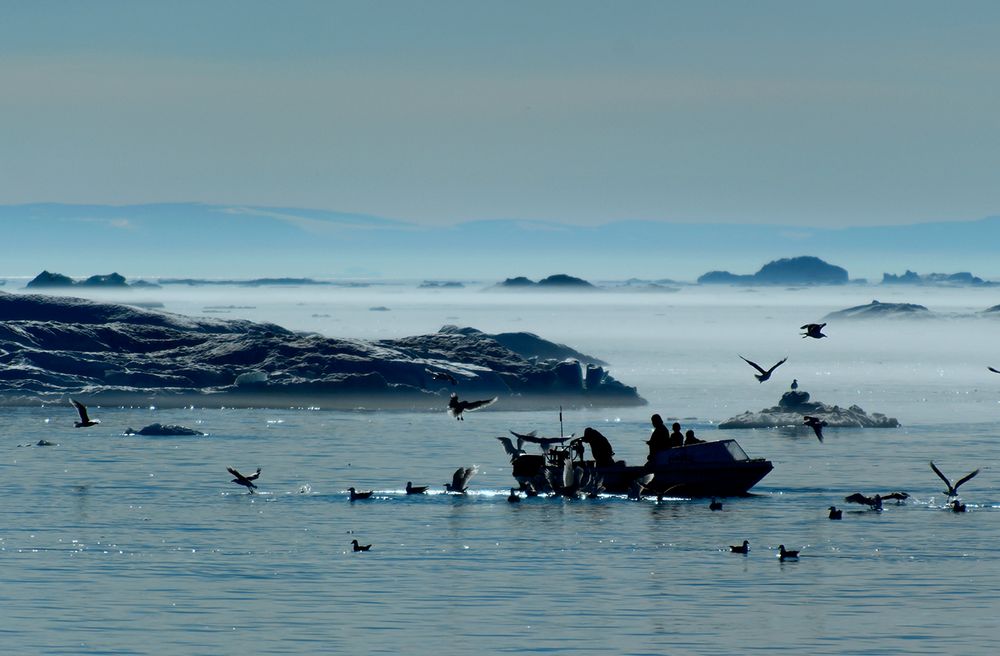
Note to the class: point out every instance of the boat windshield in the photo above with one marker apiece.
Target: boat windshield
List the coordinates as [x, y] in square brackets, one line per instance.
[735, 450]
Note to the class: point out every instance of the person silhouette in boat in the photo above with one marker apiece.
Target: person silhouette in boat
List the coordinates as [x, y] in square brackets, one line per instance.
[690, 439]
[659, 440]
[676, 436]
[600, 447]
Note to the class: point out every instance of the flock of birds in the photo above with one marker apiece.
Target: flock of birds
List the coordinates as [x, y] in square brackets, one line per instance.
[460, 479]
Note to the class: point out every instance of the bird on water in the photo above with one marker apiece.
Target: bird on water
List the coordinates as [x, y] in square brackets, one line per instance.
[356, 496]
[361, 547]
[415, 489]
[835, 513]
[741, 548]
[784, 554]
[460, 479]
[715, 504]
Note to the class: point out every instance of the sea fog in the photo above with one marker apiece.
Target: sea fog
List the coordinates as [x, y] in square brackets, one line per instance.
[116, 544]
[681, 349]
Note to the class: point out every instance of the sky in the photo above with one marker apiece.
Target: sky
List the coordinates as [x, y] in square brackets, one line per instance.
[582, 113]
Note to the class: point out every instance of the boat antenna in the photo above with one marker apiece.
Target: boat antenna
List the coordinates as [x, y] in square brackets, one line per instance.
[560, 422]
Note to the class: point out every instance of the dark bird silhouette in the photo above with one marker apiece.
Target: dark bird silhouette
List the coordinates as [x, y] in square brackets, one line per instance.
[443, 376]
[784, 554]
[835, 513]
[245, 481]
[875, 502]
[816, 424]
[356, 496]
[795, 384]
[741, 549]
[460, 479]
[513, 498]
[545, 442]
[85, 420]
[361, 547]
[764, 374]
[813, 330]
[952, 489]
[457, 407]
[715, 504]
[412, 489]
[957, 506]
[996, 371]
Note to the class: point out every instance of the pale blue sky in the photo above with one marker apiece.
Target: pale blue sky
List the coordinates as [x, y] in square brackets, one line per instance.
[842, 113]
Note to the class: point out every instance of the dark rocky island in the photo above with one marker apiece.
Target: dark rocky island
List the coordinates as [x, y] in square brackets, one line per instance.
[47, 280]
[961, 279]
[804, 270]
[53, 347]
[794, 404]
[558, 281]
[878, 310]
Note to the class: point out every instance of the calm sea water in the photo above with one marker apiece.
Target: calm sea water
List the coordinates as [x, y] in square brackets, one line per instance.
[135, 545]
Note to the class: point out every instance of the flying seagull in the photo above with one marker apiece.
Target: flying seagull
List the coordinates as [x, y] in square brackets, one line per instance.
[415, 489]
[456, 407]
[813, 330]
[85, 420]
[741, 548]
[460, 479]
[816, 424]
[361, 547]
[245, 481]
[443, 376]
[764, 375]
[996, 371]
[952, 489]
[545, 442]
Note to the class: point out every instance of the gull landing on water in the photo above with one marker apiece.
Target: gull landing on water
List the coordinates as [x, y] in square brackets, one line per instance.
[245, 481]
[952, 489]
[460, 479]
[85, 420]
[764, 374]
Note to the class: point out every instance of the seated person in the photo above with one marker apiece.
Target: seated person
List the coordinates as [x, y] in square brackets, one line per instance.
[689, 439]
[600, 447]
[676, 437]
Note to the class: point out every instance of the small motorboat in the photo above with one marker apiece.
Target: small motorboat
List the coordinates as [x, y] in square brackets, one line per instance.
[709, 469]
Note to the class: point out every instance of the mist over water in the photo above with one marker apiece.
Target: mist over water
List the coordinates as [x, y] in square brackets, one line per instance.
[117, 544]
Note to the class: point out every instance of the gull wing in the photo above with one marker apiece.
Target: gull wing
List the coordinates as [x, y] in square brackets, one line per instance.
[996, 371]
[82, 409]
[254, 477]
[964, 479]
[475, 405]
[527, 437]
[776, 365]
[951, 488]
[753, 364]
[857, 497]
[508, 446]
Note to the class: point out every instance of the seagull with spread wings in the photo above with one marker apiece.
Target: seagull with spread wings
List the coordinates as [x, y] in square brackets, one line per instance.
[545, 442]
[816, 424]
[457, 407]
[85, 420]
[764, 374]
[245, 481]
[460, 479]
[813, 330]
[952, 489]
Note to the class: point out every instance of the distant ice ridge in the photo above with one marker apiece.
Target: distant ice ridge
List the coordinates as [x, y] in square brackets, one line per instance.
[51, 347]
